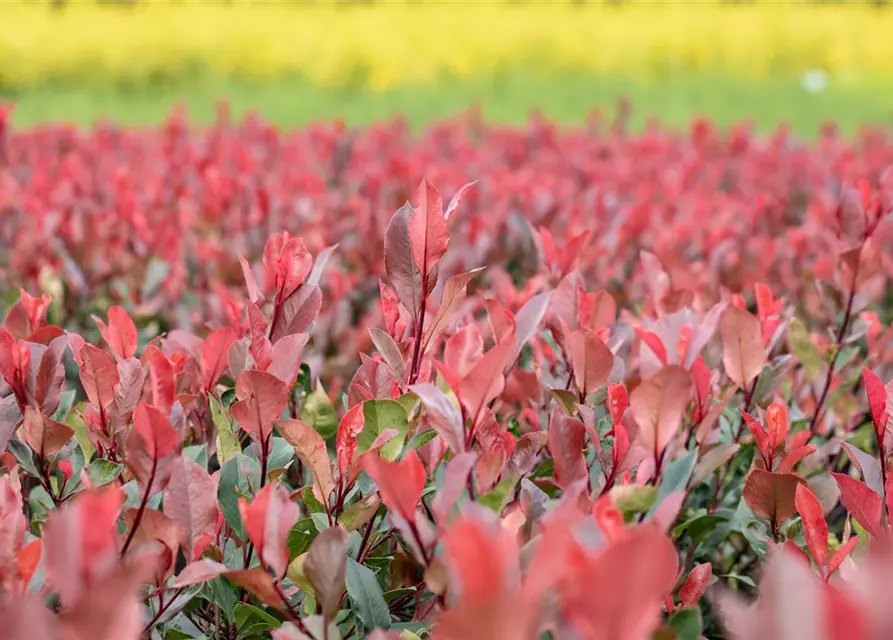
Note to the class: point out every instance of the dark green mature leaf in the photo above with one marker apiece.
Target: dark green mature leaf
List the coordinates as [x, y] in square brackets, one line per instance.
[222, 593]
[366, 596]
[24, 457]
[674, 478]
[244, 614]
[421, 439]
[300, 537]
[687, 623]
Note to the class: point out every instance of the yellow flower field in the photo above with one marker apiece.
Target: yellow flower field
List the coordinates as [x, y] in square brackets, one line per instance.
[383, 45]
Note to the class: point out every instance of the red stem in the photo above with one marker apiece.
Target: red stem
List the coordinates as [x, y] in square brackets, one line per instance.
[142, 509]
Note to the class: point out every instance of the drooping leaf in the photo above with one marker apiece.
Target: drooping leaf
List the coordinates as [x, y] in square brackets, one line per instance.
[366, 595]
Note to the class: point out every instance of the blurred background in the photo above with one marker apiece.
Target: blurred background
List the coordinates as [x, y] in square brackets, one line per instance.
[798, 63]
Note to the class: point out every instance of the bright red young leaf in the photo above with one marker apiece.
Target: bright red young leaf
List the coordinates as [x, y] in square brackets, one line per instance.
[349, 429]
[777, 423]
[861, 502]
[162, 379]
[815, 529]
[428, 231]
[151, 447]
[695, 585]
[454, 292]
[400, 483]
[214, 351]
[485, 380]
[120, 333]
[268, 519]
[877, 403]
[98, 373]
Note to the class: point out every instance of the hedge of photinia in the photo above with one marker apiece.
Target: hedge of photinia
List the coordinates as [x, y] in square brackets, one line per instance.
[614, 387]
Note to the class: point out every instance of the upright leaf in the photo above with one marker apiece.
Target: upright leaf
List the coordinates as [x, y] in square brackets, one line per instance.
[326, 568]
[658, 405]
[268, 519]
[591, 359]
[743, 354]
[190, 499]
[428, 232]
[815, 529]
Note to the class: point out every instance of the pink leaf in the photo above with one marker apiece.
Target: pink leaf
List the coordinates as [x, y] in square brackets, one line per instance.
[197, 572]
[190, 499]
[428, 232]
[98, 373]
[400, 483]
[268, 519]
[214, 352]
[458, 470]
[566, 437]
[485, 381]
[442, 414]
[120, 334]
[297, 312]
[695, 584]
[402, 270]
[262, 397]
[877, 403]
[743, 353]
[658, 404]
[454, 291]
[454, 201]
[591, 359]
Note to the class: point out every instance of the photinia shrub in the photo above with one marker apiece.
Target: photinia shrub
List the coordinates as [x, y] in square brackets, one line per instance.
[478, 443]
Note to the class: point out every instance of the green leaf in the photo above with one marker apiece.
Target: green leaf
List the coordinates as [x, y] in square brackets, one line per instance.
[238, 477]
[687, 623]
[228, 398]
[101, 472]
[631, 499]
[66, 401]
[176, 634]
[675, 478]
[75, 421]
[310, 501]
[804, 349]
[319, 412]
[742, 579]
[227, 441]
[380, 415]
[304, 378]
[222, 593]
[300, 537]
[198, 453]
[24, 456]
[501, 493]
[699, 525]
[366, 596]
[566, 399]
[393, 594]
[281, 454]
[421, 439]
[247, 613]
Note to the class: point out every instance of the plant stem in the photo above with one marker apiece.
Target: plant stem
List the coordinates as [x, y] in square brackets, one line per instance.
[142, 509]
[147, 630]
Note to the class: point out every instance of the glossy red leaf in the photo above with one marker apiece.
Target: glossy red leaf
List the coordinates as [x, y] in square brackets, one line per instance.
[454, 292]
[815, 529]
[43, 435]
[566, 440]
[485, 380]
[777, 423]
[841, 554]
[349, 429]
[151, 448]
[98, 373]
[400, 483]
[401, 267]
[862, 503]
[877, 402]
[695, 584]
[162, 379]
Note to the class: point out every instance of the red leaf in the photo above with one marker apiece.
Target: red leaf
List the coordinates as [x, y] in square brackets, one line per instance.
[159, 528]
[777, 422]
[861, 502]
[454, 291]
[428, 231]
[442, 414]
[761, 438]
[591, 359]
[80, 541]
[743, 353]
[617, 592]
[98, 373]
[262, 397]
[286, 264]
[566, 437]
[161, 378]
[268, 519]
[485, 380]
[286, 357]
[877, 402]
[695, 585]
[312, 450]
[618, 402]
[455, 481]
[297, 312]
[481, 555]
[190, 499]
[400, 483]
[457, 198]
[198, 571]
[843, 551]
[326, 567]
[815, 529]
[151, 448]
[401, 267]
[254, 294]
[43, 435]
[771, 495]
[259, 583]
[214, 352]
[120, 334]
[658, 404]
[653, 341]
[349, 429]
[28, 560]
